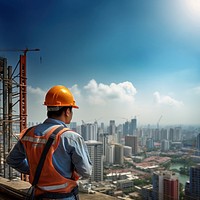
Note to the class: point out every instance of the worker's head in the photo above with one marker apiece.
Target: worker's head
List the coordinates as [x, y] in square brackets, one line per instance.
[60, 101]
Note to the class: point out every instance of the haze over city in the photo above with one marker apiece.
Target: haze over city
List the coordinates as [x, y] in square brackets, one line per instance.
[121, 59]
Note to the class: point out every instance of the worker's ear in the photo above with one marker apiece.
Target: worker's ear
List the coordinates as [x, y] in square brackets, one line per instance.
[67, 112]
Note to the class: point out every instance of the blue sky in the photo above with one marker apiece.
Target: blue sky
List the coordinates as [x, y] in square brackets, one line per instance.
[121, 59]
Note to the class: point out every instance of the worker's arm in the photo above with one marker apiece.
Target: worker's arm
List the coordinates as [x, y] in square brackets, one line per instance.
[80, 158]
[17, 158]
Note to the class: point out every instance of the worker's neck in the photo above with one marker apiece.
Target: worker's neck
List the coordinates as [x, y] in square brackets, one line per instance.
[59, 118]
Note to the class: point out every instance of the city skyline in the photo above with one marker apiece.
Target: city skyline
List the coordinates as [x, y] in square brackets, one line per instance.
[121, 60]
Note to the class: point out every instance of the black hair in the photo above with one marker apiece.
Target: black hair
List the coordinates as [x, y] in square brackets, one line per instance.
[52, 114]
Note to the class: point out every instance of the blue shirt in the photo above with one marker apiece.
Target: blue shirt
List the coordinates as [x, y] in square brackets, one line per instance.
[72, 153]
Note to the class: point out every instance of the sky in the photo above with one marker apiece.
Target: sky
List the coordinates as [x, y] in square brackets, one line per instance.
[121, 59]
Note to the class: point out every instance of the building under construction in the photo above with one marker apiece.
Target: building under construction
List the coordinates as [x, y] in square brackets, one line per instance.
[13, 108]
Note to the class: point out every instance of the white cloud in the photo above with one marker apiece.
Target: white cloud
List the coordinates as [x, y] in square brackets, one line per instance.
[101, 93]
[75, 91]
[37, 91]
[166, 100]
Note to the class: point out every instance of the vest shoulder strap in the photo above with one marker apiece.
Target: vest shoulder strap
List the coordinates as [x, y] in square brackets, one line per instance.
[27, 130]
[44, 153]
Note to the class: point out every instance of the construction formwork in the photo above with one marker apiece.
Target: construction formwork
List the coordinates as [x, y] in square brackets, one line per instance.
[13, 115]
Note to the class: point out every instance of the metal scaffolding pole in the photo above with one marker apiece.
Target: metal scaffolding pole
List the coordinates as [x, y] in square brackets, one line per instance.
[5, 117]
[10, 122]
[1, 117]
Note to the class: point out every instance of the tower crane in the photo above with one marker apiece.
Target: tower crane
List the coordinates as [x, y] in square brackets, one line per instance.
[159, 122]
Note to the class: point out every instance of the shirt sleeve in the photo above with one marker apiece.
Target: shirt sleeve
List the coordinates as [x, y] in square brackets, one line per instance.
[79, 155]
[17, 158]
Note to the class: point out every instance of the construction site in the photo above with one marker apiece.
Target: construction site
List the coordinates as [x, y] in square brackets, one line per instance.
[13, 119]
[13, 107]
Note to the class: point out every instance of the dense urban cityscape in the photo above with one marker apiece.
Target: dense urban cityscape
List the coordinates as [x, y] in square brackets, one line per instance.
[150, 162]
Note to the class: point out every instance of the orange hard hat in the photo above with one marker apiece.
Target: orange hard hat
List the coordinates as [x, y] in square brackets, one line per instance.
[59, 96]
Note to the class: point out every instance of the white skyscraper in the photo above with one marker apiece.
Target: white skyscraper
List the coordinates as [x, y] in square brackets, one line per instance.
[177, 134]
[95, 150]
[164, 145]
[91, 131]
[110, 152]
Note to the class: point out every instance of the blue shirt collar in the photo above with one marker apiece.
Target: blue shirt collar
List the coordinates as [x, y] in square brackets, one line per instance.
[55, 122]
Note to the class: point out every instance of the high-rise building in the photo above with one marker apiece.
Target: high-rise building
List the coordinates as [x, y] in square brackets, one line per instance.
[156, 135]
[195, 182]
[132, 126]
[177, 134]
[125, 128]
[143, 140]
[92, 129]
[132, 141]
[110, 153]
[119, 133]
[164, 145]
[101, 130]
[103, 137]
[89, 131]
[198, 145]
[171, 135]
[163, 134]
[148, 132]
[165, 186]
[83, 132]
[95, 150]
[187, 190]
[119, 154]
[171, 187]
[149, 144]
[102, 126]
[157, 182]
[112, 128]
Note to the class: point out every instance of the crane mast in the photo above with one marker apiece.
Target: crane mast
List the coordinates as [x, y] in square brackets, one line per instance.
[159, 122]
[23, 89]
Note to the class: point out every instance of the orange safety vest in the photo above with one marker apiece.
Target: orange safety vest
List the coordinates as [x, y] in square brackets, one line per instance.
[50, 180]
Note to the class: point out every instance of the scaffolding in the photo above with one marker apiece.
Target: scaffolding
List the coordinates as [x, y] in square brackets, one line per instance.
[13, 108]
[9, 90]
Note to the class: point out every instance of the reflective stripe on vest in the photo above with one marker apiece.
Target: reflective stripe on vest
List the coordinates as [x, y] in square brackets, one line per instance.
[35, 140]
[53, 187]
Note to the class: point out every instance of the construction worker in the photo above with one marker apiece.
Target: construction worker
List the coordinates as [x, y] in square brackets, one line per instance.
[53, 175]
